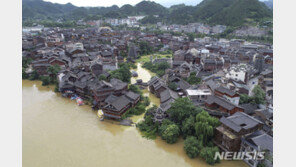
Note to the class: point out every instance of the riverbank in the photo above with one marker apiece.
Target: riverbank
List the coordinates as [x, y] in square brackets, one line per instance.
[57, 132]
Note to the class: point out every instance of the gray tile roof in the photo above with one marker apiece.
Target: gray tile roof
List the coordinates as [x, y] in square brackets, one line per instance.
[261, 139]
[119, 103]
[117, 84]
[221, 102]
[239, 121]
[224, 90]
[168, 94]
[131, 95]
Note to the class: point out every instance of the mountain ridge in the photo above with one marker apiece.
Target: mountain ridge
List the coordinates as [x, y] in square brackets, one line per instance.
[227, 12]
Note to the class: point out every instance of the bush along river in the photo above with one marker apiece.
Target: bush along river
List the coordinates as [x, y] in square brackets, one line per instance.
[58, 132]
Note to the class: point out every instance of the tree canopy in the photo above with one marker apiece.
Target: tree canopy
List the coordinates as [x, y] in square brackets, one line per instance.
[192, 146]
[181, 109]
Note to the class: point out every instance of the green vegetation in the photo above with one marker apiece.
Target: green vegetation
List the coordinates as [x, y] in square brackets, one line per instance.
[24, 74]
[173, 86]
[204, 127]
[158, 68]
[145, 48]
[259, 95]
[208, 154]
[123, 73]
[45, 80]
[137, 110]
[195, 125]
[192, 146]
[188, 128]
[148, 128]
[181, 109]
[257, 98]
[53, 72]
[102, 77]
[135, 89]
[159, 55]
[226, 12]
[149, 20]
[34, 75]
[26, 62]
[192, 79]
[50, 23]
[171, 133]
[146, 101]
[132, 65]
[140, 108]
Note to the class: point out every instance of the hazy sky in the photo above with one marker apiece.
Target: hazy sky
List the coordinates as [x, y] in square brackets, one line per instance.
[87, 3]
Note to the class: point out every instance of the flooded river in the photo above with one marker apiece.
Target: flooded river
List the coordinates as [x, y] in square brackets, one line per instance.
[58, 133]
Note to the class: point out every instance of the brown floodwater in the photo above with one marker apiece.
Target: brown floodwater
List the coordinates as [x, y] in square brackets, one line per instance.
[57, 132]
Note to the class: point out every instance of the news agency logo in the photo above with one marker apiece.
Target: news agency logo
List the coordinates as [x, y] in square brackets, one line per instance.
[239, 155]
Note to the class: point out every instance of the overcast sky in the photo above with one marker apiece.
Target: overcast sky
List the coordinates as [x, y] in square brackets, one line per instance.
[88, 3]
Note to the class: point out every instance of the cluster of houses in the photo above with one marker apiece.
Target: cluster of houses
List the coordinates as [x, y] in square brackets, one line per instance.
[130, 21]
[226, 72]
[193, 28]
[85, 56]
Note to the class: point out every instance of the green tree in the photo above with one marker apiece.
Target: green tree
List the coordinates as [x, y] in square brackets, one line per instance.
[244, 98]
[123, 73]
[171, 134]
[259, 95]
[145, 48]
[102, 78]
[53, 71]
[188, 127]
[148, 127]
[146, 101]
[45, 80]
[192, 79]
[164, 125]
[26, 62]
[173, 86]
[134, 88]
[192, 146]
[24, 74]
[204, 126]
[208, 153]
[181, 109]
[34, 75]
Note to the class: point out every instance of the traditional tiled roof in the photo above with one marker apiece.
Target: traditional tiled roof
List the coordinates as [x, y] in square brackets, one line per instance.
[260, 140]
[168, 94]
[239, 121]
[117, 84]
[224, 90]
[131, 95]
[221, 102]
[118, 104]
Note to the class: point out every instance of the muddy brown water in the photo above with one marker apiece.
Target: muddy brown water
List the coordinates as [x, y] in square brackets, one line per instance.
[58, 133]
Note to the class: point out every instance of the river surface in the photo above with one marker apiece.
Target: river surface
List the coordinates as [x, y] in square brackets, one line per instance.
[58, 133]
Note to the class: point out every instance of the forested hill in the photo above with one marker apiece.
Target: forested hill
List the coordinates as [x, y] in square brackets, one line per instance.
[227, 12]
